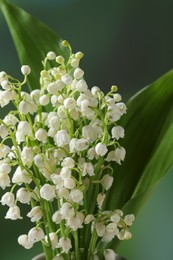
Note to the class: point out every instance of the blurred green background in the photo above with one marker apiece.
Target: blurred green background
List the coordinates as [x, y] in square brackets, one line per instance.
[128, 43]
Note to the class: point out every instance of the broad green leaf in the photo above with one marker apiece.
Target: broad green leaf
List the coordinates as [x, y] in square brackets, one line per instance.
[32, 38]
[148, 141]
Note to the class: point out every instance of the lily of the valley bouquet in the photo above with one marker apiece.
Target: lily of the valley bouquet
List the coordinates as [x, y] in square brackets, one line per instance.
[63, 137]
[60, 146]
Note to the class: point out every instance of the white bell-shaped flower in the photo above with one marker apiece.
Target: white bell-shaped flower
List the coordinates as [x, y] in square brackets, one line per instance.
[65, 172]
[60, 85]
[21, 176]
[24, 128]
[54, 122]
[62, 138]
[74, 63]
[65, 244]
[5, 84]
[100, 229]
[101, 149]
[5, 168]
[63, 193]
[44, 100]
[13, 213]
[56, 217]
[76, 221]
[115, 218]
[57, 180]
[81, 145]
[81, 86]
[10, 120]
[3, 131]
[129, 219]
[107, 181]
[4, 150]
[117, 132]
[120, 154]
[69, 183]
[39, 160]
[24, 107]
[35, 214]
[112, 228]
[89, 218]
[87, 168]
[53, 239]
[4, 180]
[89, 133]
[41, 135]
[35, 234]
[67, 210]
[23, 195]
[69, 103]
[67, 79]
[68, 162]
[35, 95]
[124, 235]
[100, 199]
[76, 195]
[47, 192]
[117, 97]
[27, 155]
[8, 199]
[23, 241]
[78, 73]
[109, 254]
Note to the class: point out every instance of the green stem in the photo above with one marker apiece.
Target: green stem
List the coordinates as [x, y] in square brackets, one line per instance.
[76, 244]
[92, 245]
[92, 197]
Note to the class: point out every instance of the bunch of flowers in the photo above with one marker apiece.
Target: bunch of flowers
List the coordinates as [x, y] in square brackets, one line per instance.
[58, 145]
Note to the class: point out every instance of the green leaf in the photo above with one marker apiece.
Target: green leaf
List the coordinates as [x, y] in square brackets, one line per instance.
[32, 38]
[148, 141]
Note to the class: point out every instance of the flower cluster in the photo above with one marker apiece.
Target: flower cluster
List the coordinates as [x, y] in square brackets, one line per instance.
[56, 152]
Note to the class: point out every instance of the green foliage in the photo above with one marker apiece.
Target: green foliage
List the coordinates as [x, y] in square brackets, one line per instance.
[32, 38]
[148, 140]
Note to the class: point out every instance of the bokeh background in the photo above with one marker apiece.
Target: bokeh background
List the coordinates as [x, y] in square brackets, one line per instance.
[128, 43]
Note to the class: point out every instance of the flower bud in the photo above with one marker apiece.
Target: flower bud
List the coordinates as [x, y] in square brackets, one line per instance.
[78, 73]
[26, 70]
[44, 100]
[60, 59]
[67, 79]
[51, 55]
[107, 181]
